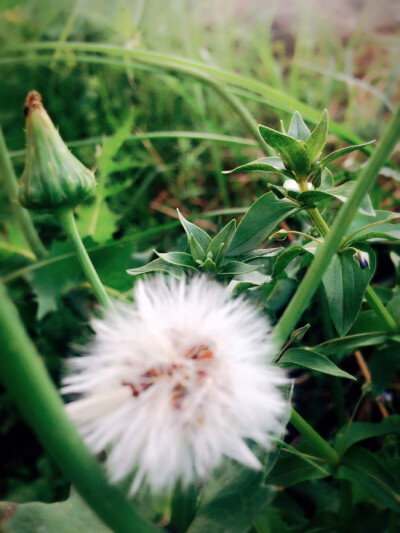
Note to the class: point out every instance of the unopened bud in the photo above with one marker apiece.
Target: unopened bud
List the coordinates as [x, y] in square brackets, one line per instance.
[53, 178]
[362, 258]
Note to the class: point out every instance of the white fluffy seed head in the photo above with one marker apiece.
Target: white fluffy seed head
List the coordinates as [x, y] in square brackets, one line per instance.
[176, 381]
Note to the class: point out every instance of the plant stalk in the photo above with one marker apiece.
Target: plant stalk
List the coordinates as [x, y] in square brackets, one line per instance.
[67, 219]
[332, 241]
[319, 444]
[21, 214]
[25, 376]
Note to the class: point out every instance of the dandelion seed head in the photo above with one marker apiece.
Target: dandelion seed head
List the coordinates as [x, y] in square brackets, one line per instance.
[174, 382]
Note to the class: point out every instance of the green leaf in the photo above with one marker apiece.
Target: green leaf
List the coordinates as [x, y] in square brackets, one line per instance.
[265, 164]
[361, 468]
[259, 254]
[386, 230]
[287, 256]
[259, 222]
[196, 251]
[292, 152]
[298, 128]
[351, 342]
[234, 268]
[231, 499]
[293, 468]
[224, 237]
[342, 151]
[107, 221]
[280, 192]
[201, 236]
[345, 283]
[317, 140]
[70, 516]
[158, 265]
[270, 521]
[342, 193]
[346, 437]
[312, 360]
[178, 259]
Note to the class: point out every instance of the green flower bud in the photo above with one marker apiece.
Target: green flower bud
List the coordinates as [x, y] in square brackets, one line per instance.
[53, 178]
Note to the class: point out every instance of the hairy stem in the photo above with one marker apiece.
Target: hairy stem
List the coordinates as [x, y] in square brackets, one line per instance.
[25, 376]
[21, 214]
[67, 220]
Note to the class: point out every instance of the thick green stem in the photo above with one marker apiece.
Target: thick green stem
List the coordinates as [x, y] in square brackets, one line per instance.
[319, 444]
[24, 374]
[370, 295]
[21, 214]
[325, 252]
[67, 220]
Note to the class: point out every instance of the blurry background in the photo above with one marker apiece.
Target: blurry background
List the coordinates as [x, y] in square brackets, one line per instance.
[341, 55]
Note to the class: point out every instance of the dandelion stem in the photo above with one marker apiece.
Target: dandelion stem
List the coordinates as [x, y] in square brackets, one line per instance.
[319, 444]
[21, 214]
[67, 220]
[25, 376]
[332, 241]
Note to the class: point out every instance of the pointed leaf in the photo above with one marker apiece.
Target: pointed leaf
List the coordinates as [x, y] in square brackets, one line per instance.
[201, 236]
[178, 259]
[224, 237]
[351, 342]
[347, 436]
[342, 151]
[266, 164]
[293, 153]
[312, 360]
[158, 265]
[286, 257]
[342, 193]
[345, 283]
[259, 222]
[317, 140]
[196, 250]
[362, 468]
[298, 128]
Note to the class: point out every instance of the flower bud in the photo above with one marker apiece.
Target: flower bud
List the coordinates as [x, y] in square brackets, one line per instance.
[53, 178]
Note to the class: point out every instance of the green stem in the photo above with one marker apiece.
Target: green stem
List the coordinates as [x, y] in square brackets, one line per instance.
[67, 220]
[375, 303]
[319, 444]
[20, 213]
[332, 241]
[24, 374]
[184, 502]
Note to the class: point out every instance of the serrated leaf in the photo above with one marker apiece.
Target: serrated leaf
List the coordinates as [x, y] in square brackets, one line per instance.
[157, 265]
[317, 140]
[107, 221]
[347, 436]
[265, 164]
[360, 467]
[259, 222]
[313, 361]
[298, 129]
[345, 283]
[224, 237]
[292, 152]
[201, 236]
[341, 152]
[196, 251]
[178, 259]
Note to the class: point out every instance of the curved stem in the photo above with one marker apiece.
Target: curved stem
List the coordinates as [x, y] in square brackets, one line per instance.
[332, 241]
[20, 213]
[25, 376]
[67, 220]
[319, 444]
